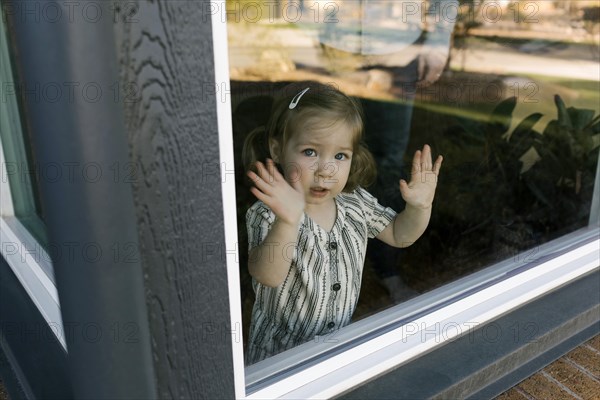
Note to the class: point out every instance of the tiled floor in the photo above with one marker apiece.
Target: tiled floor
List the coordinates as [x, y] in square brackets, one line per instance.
[576, 375]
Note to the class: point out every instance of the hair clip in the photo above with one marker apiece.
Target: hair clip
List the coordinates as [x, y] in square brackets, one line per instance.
[297, 98]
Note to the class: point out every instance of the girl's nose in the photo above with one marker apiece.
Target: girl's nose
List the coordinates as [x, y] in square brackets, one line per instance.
[325, 169]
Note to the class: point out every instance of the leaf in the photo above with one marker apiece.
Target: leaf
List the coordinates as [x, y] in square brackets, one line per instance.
[501, 116]
[526, 125]
[595, 141]
[553, 131]
[563, 116]
[595, 128]
[580, 118]
[558, 139]
[549, 160]
[523, 136]
[539, 182]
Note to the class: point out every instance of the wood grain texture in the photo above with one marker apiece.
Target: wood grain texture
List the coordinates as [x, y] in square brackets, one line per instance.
[167, 91]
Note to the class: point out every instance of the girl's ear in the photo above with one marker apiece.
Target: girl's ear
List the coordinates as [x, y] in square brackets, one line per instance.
[274, 149]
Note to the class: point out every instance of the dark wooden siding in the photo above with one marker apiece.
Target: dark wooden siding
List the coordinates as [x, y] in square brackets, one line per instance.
[167, 78]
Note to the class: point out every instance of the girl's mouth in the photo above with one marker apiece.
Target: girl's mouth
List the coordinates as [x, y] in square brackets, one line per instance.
[319, 192]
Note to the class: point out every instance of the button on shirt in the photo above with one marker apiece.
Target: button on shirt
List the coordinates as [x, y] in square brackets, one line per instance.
[322, 286]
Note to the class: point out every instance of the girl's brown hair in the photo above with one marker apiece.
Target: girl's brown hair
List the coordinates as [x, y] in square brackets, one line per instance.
[323, 106]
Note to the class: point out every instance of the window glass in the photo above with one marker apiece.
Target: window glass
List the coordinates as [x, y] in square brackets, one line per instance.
[19, 168]
[506, 91]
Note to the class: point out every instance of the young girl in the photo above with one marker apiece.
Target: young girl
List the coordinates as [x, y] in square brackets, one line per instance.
[308, 231]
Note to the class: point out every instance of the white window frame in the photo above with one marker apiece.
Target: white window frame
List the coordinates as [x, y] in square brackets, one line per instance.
[24, 255]
[414, 327]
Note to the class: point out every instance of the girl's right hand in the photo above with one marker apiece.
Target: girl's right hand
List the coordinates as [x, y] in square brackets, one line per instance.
[285, 200]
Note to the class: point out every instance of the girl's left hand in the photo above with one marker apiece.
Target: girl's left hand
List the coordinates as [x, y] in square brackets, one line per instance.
[419, 192]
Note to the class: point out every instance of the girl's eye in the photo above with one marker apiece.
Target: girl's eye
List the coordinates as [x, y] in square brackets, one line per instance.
[341, 156]
[309, 152]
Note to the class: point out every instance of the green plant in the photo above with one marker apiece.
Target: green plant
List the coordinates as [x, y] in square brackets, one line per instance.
[563, 178]
[514, 190]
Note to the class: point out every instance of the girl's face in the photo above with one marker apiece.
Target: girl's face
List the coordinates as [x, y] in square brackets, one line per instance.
[320, 158]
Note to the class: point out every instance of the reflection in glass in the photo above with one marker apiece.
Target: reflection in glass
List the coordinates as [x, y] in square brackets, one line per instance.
[514, 111]
[19, 169]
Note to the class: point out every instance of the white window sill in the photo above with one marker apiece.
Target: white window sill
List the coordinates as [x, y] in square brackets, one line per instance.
[31, 265]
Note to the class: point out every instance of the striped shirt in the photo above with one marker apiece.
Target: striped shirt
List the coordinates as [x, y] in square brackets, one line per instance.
[320, 291]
